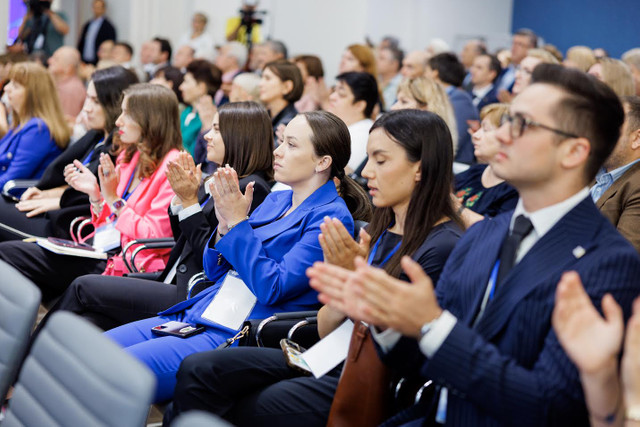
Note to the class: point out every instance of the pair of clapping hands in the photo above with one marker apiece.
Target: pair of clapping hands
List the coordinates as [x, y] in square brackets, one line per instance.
[349, 285]
[80, 178]
[231, 206]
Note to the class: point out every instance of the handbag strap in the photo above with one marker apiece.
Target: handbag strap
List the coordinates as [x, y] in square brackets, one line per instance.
[229, 341]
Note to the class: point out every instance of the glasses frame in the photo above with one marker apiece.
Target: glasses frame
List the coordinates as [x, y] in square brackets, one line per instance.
[527, 123]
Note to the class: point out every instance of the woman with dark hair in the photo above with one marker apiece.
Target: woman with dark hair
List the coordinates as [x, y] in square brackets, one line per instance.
[241, 137]
[48, 208]
[171, 78]
[353, 100]
[409, 174]
[202, 80]
[261, 259]
[129, 201]
[281, 86]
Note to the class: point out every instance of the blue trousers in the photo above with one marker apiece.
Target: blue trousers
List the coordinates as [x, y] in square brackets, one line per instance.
[163, 354]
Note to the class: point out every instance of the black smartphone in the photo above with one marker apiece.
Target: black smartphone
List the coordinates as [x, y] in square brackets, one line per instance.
[177, 329]
[293, 356]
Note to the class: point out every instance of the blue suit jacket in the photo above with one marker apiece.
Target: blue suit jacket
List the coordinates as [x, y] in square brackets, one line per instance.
[510, 367]
[271, 255]
[490, 98]
[25, 153]
[464, 110]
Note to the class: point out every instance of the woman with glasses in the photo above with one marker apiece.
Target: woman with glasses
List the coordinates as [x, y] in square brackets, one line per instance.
[478, 190]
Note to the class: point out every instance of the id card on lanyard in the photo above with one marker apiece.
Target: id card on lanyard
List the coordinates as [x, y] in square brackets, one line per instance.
[232, 304]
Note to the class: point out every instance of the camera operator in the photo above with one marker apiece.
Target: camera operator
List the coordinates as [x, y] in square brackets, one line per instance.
[246, 27]
[41, 30]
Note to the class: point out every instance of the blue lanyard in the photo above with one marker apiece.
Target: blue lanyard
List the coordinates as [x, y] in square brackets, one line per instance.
[492, 279]
[202, 205]
[127, 194]
[87, 160]
[372, 254]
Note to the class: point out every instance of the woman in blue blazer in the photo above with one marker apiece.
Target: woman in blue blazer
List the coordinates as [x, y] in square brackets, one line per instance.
[38, 132]
[268, 251]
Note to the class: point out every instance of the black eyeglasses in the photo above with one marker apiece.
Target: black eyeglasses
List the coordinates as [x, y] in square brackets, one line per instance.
[520, 123]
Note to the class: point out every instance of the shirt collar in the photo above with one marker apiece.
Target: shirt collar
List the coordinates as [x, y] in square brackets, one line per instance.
[544, 219]
[480, 93]
[618, 172]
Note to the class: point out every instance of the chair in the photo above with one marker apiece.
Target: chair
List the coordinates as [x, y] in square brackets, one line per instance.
[199, 419]
[19, 302]
[75, 376]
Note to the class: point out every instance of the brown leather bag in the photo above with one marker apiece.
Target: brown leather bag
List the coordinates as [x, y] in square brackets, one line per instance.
[363, 394]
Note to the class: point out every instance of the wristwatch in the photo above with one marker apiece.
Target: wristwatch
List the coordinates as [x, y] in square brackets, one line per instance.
[118, 204]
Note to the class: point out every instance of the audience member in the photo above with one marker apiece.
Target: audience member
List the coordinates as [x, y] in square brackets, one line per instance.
[424, 93]
[63, 67]
[470, 50]
[146, 60]
[122, 54]
[528, 64]
[200, 41]
[38, 132]
[616, 74]
[202, 79]
[315, 90]
[414, 64]
[484, 73]
[183, 57]
[94, 32]
[388, 63]
[42, 30]
[269, 51]
[478, 190]
[280, 87]
[616, 191]
[580, 57]
[491, 349]
[48, 208]
[352, 100]
[231, 58]
[245, 87]
[241, 137]
[632, 59]
[137, 194]
[160, 55]
[600, 53]
[358, 58]
[449, 72]
[409, 174]
[389, 42]
[270, 250]
[523, 40]
[553, 51]
[437, 46]
[171, 78]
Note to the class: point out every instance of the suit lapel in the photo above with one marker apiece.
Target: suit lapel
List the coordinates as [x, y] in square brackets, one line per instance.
[551, 255]
[617, 184]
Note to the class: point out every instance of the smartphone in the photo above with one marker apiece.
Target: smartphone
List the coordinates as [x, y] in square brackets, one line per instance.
[177, 329]
[293, 356]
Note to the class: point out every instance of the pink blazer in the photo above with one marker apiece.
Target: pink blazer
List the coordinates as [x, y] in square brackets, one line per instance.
[144, 215]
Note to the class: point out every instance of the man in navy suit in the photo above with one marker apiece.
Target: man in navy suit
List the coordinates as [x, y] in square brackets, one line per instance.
[484, 73]
[484, 336]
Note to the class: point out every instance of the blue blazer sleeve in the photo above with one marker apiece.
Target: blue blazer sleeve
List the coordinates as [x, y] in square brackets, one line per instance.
[26, 153]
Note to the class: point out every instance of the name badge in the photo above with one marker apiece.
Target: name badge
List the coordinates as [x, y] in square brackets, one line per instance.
[232, 304]
[325, 355]
[107, 237]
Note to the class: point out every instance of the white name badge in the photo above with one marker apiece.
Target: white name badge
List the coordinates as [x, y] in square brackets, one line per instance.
[106, 238]
[330, 350]
[232, 304]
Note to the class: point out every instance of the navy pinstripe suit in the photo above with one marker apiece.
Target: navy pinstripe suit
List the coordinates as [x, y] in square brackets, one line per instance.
[510, 369]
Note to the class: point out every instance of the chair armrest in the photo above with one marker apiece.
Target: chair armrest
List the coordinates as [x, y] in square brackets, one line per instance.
[15, 187]
[169, 241]
[159, 244]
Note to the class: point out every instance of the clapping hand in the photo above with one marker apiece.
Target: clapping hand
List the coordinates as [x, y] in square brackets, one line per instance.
[231, 206]
[109, 176]
[184, 177]
[338, 247]
[81, 179]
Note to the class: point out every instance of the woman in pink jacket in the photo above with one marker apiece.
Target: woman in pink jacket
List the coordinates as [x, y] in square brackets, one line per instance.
[129, 200]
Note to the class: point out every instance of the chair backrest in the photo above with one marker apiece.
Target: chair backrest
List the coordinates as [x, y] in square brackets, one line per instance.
[19, 302]
[75, 376]
[199, 419]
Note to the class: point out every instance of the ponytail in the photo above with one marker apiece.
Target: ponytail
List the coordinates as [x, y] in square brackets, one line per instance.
[355, 197]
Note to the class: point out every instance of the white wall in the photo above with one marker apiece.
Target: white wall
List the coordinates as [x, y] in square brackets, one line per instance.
[322, 27]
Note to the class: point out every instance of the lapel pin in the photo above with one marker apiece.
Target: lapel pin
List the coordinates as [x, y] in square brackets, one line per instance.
[578, 252]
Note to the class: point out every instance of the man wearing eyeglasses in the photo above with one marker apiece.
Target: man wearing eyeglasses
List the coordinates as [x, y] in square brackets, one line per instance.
[484, 336]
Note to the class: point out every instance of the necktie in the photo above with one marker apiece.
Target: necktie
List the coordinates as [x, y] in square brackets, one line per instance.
[521, 229]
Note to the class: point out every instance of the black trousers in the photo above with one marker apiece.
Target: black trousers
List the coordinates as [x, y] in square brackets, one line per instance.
[252, 386]
[52, 273]
[109, 301]
[39, 225]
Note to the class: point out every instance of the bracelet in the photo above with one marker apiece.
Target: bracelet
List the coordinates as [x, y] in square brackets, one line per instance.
[229, 227]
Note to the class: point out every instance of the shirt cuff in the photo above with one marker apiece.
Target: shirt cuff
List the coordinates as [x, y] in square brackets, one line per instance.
[386, 339]
[431, 342]
[190, 211]
[174, 206]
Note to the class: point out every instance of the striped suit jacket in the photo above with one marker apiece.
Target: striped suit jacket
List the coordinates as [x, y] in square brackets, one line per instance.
[510, 368]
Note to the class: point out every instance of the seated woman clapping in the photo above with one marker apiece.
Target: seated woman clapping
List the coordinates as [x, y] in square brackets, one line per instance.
[409, 176]
[257, 262]
[131, 199]
[242, 137]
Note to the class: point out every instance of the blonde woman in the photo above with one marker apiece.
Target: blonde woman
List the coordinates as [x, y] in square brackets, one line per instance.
[616, 74]
[580, 57]
[424, 93]
[531, 61]
[38, 132]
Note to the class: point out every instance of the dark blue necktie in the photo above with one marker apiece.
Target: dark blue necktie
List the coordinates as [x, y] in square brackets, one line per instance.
[521, 229]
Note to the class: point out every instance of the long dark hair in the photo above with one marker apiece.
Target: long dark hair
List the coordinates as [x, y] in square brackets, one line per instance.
[247, 135]
[425, 138]
[331, 138]
[110, 83]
